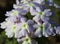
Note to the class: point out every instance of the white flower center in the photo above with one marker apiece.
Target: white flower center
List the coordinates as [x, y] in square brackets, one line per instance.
[15, 13]
[14, 27]
[24, 26]
[31, 4]
[41, 13]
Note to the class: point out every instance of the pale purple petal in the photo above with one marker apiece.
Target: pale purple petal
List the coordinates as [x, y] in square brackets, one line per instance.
[38, 33]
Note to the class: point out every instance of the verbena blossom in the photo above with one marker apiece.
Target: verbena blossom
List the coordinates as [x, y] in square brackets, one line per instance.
[17, 25]
[44, 29]
[57, 29]
[51, 3]
[27, 40]
[43, 15]
[57, 6]
[12, 13]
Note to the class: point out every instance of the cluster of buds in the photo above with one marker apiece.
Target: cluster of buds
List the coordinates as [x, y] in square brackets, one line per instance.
[17, 25]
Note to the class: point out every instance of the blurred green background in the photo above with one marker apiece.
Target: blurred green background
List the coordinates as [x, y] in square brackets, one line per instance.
[7, 5]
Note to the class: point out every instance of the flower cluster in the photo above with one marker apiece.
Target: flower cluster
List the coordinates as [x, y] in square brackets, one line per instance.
[17, 25]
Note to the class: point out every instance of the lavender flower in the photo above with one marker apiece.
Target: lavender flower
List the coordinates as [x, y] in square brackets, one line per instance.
[44, 29]
[42, 16]
[57, 6]
[12, 29]
[27, 40]
[7, 22]
[57, 29]
[50, 2]
[27, 26]
[22, 8]
[12, 13]
[48, 29]
[12, 25]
